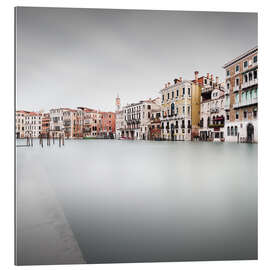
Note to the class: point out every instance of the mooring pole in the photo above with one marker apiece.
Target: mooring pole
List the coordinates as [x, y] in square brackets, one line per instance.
[59, 140]
[42, 141]
[63, 140]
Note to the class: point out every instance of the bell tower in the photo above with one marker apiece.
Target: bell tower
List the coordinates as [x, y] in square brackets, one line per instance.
[117, 103]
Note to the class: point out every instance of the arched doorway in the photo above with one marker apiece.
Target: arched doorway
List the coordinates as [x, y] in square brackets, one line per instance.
[250, 133]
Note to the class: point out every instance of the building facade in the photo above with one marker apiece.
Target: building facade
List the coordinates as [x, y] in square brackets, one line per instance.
[176, 110]
[45, 130]
[20, 124]
[241, 101]
[33, 124]
[137, 119]
[212, 113]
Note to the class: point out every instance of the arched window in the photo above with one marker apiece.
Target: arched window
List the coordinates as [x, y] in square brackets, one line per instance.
[208, 121]
[172, 109]
[231, 131]
[235, 130]
[228, 131]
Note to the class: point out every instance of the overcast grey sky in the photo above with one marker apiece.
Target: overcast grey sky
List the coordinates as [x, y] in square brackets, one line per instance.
[84, 57]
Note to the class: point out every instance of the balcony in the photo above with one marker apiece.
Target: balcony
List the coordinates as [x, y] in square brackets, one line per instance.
[216, 125]
[249, 83]
[244, 103]
[227, 91]
[236, 88]
[227, 106]
[214, 110]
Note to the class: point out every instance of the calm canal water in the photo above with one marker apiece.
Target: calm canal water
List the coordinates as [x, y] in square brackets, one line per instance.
[134, 201]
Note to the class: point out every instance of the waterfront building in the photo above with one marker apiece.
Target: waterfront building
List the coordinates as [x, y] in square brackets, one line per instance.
[33, 124]
[155, 125]
[212, 113]
[137, 117]
[45, 124]
[241, 101]
[107, 128]
[56, 122]
[20, 124]
[69, 121]
[176, 110]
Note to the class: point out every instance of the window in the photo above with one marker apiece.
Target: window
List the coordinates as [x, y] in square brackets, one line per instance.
[227, 116]
[237, 68]
[177, 93]
[232, 134]
[235, 130]
[255, 74]
[245, 64]
[245, 114]
[168, 95]
[255, 113]
[188, 109]
[228, 86]
[172, 94]
[250, 76]
[255, 59]
[237, 81]
[183, 91]
[236, 115]
[228, 73]
[183, 109]
[189, 91]
[205, 81]
[228, 131]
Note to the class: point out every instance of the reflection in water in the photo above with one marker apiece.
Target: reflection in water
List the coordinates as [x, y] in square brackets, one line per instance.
[132, 201]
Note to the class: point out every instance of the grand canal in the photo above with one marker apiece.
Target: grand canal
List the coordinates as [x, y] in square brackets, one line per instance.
[132, 201]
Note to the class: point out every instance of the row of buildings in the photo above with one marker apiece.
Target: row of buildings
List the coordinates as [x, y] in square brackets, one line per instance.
[202, 108]
[199, 109]
[71, 123]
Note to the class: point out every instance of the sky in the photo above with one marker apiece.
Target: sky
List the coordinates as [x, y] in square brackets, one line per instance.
[85, 57]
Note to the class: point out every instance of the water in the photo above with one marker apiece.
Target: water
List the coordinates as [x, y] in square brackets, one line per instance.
[135, 201]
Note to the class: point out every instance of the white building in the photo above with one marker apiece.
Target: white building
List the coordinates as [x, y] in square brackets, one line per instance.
[212, 113]
[33, 124]
[241, 97]
[137, 118]
[56, 122]
[20, 124]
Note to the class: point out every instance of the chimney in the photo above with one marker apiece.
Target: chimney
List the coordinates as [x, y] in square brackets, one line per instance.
[207, 75]
[217, 80]
[196, 75]
[212, 77]
[180, 79]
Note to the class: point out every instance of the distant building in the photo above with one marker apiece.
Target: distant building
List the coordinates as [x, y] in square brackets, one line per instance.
[20, 124]
[107, 128]
[176, 110]
[241, 102]
[45, 123]
[212, 113]
[33, 124]
[137, 118]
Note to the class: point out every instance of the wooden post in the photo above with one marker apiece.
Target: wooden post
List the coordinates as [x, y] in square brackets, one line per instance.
[63, 140]
[41, 140]
[59, 140]
[31, 140]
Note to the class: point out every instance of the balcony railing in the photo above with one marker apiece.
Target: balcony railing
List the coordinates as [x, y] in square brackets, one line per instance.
[216, 125]
[244, 103]
[227, 91]
[236, 88]
[214, 110]
[249, 83]
[227, 106]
